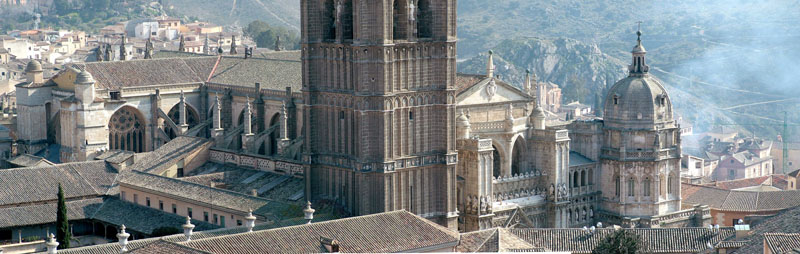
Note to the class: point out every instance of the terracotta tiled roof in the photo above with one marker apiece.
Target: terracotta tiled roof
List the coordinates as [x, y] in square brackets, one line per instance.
[81, 179]
[464, 81]
[161, 247]
[656, 240]
[137, 73]
[783, 222]
[271, 73]
[16, 216]
[782, 243]
[169, 154]
[738, 183]
[385, 232]
[475, 241]
[218, 198]
[739, 200]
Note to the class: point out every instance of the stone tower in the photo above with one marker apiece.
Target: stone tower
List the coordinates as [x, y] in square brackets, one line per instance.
[640, 157]
[378, 83]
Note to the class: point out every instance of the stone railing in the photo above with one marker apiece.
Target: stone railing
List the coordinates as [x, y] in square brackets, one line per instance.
[517, 186]
[243, 90]
[258, 162]
[644, 154]
[575, 191]
[488, 126]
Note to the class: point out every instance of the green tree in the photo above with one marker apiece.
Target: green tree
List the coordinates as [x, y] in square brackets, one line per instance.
[61, 6]
[63, 234]
[620, 242]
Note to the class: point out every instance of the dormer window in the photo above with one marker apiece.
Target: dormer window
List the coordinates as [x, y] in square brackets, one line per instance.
[115, 95]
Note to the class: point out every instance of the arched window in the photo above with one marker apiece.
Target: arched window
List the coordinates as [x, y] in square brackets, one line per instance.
[174, 115]
[495, 162]
[583, 177]
[646, 186]
[126, 130]
[425, 19]
[575, 179]
[670, 185]
[329, 20]
[346, 19]
[631, 187]
[400, 20]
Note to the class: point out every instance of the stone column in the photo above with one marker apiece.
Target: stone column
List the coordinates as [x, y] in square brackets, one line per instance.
[182, 125]
[284, 141]
[247, 134]
[217, 132]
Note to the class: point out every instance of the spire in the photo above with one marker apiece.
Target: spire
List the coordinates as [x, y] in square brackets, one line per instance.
[217, 112]
[490, 66]
[182, 45]
[248, 129]
[123, 54]
[148, 49]
[206, 50]
[182, 111]
[639, 66]
[233, 45]
[528, 82]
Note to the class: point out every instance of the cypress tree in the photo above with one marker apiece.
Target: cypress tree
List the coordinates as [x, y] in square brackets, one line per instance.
[63, 234]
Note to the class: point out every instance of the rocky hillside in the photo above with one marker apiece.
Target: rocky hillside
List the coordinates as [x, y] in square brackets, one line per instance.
[580, 69]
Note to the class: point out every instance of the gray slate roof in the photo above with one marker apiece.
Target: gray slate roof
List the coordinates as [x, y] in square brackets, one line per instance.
[271, 73]
[161, 246]
[27, 160]
[141, 218]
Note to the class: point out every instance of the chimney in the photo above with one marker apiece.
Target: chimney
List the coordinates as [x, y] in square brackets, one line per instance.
[123, 239]
[250, 221]
[254, 192]
[51, 244]
[332, 245]
[187, 228]
[742, 230]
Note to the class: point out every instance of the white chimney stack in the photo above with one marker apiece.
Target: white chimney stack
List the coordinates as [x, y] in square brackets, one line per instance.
[188, 228]
[123, 239]
[250, 221]
[52, 245]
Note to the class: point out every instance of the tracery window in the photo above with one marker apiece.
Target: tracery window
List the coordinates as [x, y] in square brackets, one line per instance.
[646, 186]
[631, 187]
[126, 131]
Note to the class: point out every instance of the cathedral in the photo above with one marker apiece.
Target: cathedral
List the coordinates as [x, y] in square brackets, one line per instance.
[372, 107]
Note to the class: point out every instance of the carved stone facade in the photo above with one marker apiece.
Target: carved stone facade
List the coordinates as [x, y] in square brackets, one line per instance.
[377, 82]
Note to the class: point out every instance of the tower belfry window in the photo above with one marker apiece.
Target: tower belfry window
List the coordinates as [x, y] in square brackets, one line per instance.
[410, 115]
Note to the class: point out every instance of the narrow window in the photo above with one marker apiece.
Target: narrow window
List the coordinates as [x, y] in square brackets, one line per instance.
[216, 218]
[147, 201]
[205, 216]
[122, 195]
[410, 115]
[161, 205]
[189, 211]
[631, 187]
[411, 199]
[222, 221]
[616, 100]
[174, 209]
[341, 115]
[616, 185]
[180, 172]
[136, 198]
[646, 186]
[670, 183]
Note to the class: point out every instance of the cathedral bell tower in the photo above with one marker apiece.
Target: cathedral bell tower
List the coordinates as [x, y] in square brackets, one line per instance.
[378, 84]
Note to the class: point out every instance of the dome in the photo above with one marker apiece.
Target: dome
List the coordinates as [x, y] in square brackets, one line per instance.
[637, 102]
[33, 66]
[84, 77]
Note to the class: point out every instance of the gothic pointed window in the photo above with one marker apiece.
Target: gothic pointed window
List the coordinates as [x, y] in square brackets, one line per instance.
[670, 185]
[631, 187]
[126, 130]
[646, 186]
[424, 19]
[329, 20]
[400, 20]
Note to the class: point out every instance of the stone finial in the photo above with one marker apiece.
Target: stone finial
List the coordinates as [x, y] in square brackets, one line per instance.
[123, 239]
[308, 212]
[52, 245]
[217, 111]
[528, 88]
[490, 65]
[188, 228]
[248, 114]
[182, 112]
[250, 221]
